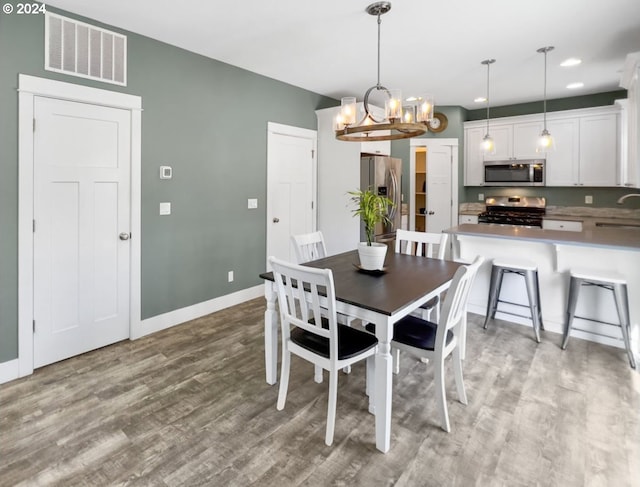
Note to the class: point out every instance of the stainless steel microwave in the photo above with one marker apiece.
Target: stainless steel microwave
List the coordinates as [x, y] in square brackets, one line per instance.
[528, 172]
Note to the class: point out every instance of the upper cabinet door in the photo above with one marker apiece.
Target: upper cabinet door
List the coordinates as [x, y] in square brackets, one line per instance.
[525, 140]
[562, 166]
[473, 167]
[503, 140]
[599, 153]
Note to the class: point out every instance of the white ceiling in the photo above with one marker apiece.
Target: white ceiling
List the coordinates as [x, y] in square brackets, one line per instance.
[427, 46]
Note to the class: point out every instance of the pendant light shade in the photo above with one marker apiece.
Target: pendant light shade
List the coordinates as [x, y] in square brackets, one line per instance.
[487, 146]
[545, 140]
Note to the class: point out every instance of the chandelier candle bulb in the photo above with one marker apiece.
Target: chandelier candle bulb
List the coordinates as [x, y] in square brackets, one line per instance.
[393, 105]
[348, 110]
[425, 108]
[408, 114]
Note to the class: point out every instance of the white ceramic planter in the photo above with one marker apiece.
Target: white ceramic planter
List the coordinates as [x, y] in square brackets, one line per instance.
[372, 257]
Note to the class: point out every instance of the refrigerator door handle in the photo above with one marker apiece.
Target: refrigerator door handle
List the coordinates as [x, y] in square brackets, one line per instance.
[394, 184]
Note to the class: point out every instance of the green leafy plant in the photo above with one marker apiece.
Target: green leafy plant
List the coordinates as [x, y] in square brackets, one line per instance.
[372, 209]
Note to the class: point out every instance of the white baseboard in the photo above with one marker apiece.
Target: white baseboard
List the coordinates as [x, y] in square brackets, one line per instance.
[9, 371]
[172, 318]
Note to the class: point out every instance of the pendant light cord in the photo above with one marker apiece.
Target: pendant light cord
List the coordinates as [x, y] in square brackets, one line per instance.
[379, 23]
[544, 102]
[488, 68]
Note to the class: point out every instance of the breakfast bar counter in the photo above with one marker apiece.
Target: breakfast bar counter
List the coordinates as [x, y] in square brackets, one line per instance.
[556, 253]
[603, 237]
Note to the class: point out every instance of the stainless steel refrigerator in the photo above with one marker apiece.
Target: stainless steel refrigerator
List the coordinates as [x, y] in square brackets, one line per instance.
[383, 175]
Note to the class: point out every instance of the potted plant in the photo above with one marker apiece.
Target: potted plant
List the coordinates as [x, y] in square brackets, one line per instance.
[372, 209]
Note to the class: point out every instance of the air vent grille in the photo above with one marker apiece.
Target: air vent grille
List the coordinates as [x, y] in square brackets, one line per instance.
[80, 49]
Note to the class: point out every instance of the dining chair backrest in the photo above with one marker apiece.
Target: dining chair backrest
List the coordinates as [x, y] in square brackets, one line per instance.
[455, 303]
[303, 310]
[309, 246]
[421, 243]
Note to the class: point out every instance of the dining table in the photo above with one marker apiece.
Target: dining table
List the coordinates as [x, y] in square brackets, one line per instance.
[381, 297]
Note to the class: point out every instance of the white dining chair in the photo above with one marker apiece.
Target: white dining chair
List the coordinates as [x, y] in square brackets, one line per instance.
[314, 334]
[423, 244]
[436, 341]
[308, 247]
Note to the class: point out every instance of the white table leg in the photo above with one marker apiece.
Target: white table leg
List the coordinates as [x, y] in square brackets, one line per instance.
[383, 385]
[271, 334]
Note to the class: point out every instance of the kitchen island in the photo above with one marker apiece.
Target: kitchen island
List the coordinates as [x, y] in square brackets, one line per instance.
[556, 253]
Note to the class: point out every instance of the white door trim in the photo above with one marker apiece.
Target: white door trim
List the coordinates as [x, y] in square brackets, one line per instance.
[280, 129]
[424, 142]
[29, 88]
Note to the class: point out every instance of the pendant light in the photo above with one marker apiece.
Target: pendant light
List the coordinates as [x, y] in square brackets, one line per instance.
[545, 140]
[487, 145]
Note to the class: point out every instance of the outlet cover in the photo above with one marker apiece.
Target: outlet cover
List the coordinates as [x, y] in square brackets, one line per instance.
[588, 200]
[480, 196]
[230, 276]
[252, 203]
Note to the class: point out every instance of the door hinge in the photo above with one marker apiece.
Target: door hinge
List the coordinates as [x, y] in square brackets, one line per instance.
[34, 226]
[34, 326]
[312, 205]
[34, 124]
[313, 153]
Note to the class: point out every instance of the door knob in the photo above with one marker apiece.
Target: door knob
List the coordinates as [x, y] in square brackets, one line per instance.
[431, 213]
[124, 236]
[276, 220]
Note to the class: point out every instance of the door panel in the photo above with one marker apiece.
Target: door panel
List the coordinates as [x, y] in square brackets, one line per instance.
[438, 188]
[82, 157]
[290, 192]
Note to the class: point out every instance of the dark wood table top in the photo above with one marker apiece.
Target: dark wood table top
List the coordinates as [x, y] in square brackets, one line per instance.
[407, 279]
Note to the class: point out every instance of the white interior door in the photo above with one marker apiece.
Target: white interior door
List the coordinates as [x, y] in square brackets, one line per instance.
[439, 201]
[82, 198]
[290, 188]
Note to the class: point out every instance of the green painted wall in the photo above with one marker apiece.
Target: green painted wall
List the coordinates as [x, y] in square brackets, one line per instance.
[195, 120]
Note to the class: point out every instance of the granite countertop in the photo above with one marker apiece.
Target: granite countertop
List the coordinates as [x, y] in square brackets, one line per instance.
[602, 237]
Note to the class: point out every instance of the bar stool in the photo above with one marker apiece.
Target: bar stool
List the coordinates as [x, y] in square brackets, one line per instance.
[610, 281]
[529, 271]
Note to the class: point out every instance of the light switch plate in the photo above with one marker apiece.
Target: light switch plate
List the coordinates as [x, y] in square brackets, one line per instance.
[252, 203]
[165, 208]
[588, 200]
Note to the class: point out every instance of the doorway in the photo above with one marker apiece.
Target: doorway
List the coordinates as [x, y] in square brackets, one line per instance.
[79, 202]
[291, 187]
[433, 206]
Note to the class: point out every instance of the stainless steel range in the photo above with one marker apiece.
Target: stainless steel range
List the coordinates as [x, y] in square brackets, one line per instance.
[514, 210]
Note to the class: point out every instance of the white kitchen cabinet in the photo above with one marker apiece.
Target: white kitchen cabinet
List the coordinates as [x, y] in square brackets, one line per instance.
[587, 146]
[599, 150]
[630, 170]
[562, 166]
[565, 225]
[473, 163]
[462, 219]
[515, 140]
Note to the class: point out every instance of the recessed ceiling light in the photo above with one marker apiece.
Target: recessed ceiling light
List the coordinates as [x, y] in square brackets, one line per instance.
[572, 61]
[480, 99]
[575, 86]
[411, 98]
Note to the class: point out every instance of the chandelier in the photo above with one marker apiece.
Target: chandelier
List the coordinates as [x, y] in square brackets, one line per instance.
[401, 121]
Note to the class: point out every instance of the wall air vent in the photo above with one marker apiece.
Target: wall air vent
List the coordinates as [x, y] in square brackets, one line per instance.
[80, 49]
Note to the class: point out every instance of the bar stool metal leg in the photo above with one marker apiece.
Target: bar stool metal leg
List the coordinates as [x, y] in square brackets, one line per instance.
[495, 284]
[572, 302]
[534, 305]
[622, 303]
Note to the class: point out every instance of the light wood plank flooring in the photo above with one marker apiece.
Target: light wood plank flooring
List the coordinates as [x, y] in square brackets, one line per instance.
[189, 406]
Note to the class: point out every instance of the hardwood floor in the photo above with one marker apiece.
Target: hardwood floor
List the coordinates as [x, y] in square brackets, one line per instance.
[189, 406]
